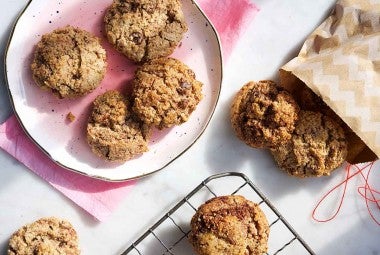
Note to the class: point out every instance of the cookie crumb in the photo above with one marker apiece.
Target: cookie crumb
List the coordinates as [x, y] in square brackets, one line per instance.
[70, 117]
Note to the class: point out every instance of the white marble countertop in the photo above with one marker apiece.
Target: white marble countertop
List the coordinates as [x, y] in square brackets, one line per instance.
[271, 40]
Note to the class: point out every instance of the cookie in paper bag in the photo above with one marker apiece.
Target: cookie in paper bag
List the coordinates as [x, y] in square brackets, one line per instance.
[317, 147]
[338, 63]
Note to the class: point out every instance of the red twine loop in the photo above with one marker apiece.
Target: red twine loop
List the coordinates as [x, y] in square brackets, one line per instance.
[369, 194]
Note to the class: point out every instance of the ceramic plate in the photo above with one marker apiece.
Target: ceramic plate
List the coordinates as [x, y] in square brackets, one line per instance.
[43, 116]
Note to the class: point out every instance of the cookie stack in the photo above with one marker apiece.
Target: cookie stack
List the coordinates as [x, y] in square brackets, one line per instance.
[305, 138]
[70, 62]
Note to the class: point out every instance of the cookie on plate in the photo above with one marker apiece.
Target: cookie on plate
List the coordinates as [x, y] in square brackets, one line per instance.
[263, 115]
[229, 225]
[113, 132]
[145, 29]
[69, 61]
[44, 236]
[165, 92]
[317, 147]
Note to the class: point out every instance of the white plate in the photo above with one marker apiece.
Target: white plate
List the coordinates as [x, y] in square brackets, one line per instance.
[43, 116]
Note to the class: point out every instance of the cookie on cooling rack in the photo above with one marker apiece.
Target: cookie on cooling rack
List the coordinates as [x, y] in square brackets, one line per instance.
[44, 236]
[69, 61]
[165, 92]
[113, 131]
[145, 29]
[229, 225]
[317, 146]
[263, 115]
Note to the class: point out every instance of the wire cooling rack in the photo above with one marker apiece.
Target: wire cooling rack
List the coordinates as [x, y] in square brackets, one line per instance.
[169, 234]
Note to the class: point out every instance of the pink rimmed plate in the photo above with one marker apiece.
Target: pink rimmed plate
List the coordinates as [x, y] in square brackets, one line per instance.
[43, 116]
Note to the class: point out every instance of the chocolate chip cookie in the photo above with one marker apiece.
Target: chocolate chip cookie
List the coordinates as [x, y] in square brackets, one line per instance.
[229, 225]
[263, 115]
[113, 132]
[45, 236]
[69, 61]
[165, 92]
[145, 29]
[316, 148]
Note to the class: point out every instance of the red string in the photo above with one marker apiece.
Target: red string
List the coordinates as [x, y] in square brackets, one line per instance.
[360, 191]
[366, 192]
[372, 191]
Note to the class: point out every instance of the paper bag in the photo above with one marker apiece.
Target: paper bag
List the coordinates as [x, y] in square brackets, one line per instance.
[340, 62]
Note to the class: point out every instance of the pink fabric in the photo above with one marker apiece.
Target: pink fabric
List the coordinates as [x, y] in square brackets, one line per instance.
[100, 198]
[229, 17]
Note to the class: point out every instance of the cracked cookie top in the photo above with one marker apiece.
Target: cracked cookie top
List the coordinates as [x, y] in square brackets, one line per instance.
[113, 132]
[145, 29]
[165, 92]
[317, 147]
[229, 225]
[69, 61]
[263, 115]
[45, 236]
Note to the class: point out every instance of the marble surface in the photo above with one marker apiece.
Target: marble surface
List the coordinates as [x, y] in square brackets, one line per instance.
[271, 40]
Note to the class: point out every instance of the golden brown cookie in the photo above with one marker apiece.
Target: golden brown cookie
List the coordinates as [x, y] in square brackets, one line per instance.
[309, 101]
[69, 61]
[165, 92]
[113, 132]
[229, 225]
[317, 147]
[45, 236]
[263, 115]
[145, 29]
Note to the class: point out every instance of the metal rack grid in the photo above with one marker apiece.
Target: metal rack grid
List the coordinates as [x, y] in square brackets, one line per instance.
[169, 234]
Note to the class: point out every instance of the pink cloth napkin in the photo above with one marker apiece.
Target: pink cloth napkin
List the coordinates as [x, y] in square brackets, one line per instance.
[230, 18]
[100, 198]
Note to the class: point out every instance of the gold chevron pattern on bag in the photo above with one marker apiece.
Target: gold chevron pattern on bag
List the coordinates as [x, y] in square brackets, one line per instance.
[340, 62]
